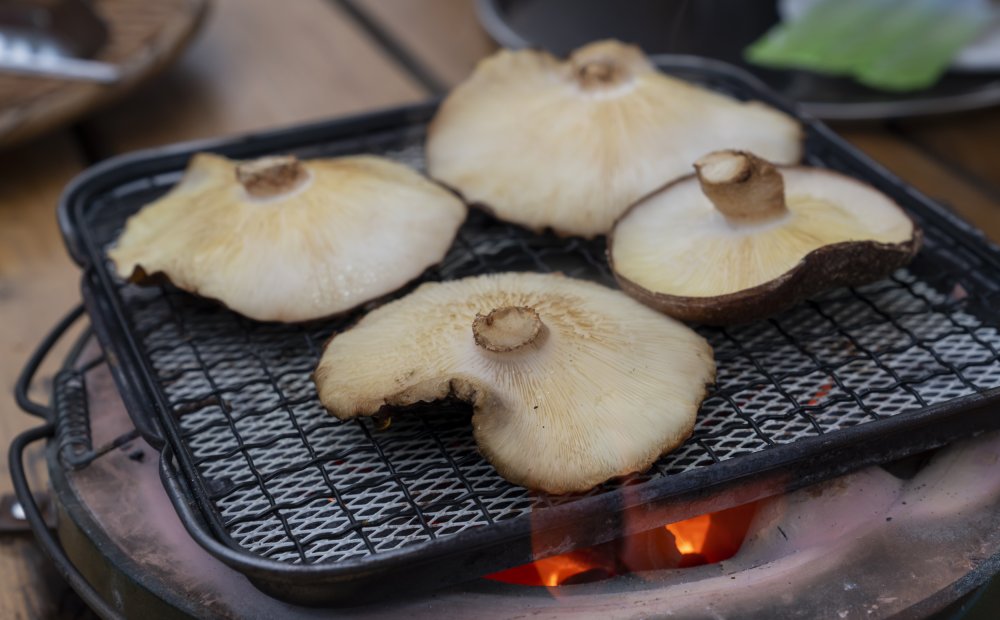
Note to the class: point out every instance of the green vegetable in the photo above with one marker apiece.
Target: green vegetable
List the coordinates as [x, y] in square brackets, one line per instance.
[896, 45]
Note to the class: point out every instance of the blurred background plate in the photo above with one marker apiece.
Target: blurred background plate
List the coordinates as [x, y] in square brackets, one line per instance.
[142, 36]
[721, 29]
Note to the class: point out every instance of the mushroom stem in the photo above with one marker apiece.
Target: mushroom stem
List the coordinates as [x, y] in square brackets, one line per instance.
[507, 329]
[742, 186]
[606, 65]
[268, 177]
[597, 73]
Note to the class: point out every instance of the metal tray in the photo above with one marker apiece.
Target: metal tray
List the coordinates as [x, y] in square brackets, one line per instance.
[314, 510]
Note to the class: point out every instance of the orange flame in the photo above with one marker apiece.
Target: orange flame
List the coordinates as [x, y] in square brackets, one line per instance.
[704, 539]
[555, 570]
[690, 535]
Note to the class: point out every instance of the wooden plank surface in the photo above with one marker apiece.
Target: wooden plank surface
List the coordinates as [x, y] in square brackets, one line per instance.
[38, 283]
[443, 35]
[923, 172]
[30, 588]
[258, 64]
[948, 138]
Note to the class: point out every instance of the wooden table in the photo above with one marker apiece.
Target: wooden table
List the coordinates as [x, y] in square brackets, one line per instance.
[260, 64]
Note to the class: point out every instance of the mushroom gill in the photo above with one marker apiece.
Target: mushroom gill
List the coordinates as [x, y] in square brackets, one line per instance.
[569, 145]
[278, 239]
[743, 239]
[571, 383]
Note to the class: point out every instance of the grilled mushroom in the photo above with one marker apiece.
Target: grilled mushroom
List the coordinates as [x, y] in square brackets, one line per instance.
[743, 239]
[569, 145]
[278, 239]
[571, 383]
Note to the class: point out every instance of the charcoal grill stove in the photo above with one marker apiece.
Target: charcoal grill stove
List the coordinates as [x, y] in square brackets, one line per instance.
[314, 510]
[866, 545]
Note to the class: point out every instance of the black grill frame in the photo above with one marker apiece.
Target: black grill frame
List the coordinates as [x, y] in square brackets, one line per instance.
[954, 251]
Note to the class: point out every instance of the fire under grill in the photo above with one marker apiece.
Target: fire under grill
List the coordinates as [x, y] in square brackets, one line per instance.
[276, 478]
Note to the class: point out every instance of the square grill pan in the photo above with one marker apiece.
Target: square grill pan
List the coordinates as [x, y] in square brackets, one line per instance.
[318, 511]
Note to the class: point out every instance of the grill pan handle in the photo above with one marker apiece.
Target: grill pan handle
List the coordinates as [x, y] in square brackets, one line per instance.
[74, 457]
[46, 539]
[27, 376]
[68, 409]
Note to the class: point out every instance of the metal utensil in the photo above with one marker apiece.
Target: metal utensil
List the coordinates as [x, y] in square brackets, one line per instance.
[53, 38]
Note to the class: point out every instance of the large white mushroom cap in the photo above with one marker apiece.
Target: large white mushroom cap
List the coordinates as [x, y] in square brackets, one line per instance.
[569, 145]
[743, 239]
[572, 383]
[277, 239]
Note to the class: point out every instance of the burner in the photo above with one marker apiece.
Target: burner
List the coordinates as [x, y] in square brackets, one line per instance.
[870, 544]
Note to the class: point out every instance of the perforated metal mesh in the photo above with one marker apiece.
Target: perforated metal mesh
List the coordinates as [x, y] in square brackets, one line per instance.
[289, 482]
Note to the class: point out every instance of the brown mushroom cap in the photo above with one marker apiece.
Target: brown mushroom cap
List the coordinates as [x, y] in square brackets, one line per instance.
[743, 239]
[277, 239]
[572, 383]
[569, 145]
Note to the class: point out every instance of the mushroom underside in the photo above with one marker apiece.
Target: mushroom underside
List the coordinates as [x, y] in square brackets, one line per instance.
[278, 239]
[851, 263]
[571, 383]
[743, 239]
[482, 400]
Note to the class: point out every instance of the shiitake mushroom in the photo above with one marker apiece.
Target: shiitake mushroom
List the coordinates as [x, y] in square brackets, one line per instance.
[278, 239]
[743, 239]
[571, 383]
[570, 144]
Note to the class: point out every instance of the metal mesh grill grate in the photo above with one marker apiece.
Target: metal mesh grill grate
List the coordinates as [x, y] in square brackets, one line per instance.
[291, 483]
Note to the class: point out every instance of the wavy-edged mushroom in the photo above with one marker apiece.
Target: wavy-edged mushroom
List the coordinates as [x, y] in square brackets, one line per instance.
[278, 239]
[743, 239]
[569, 145]
[571, 383]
